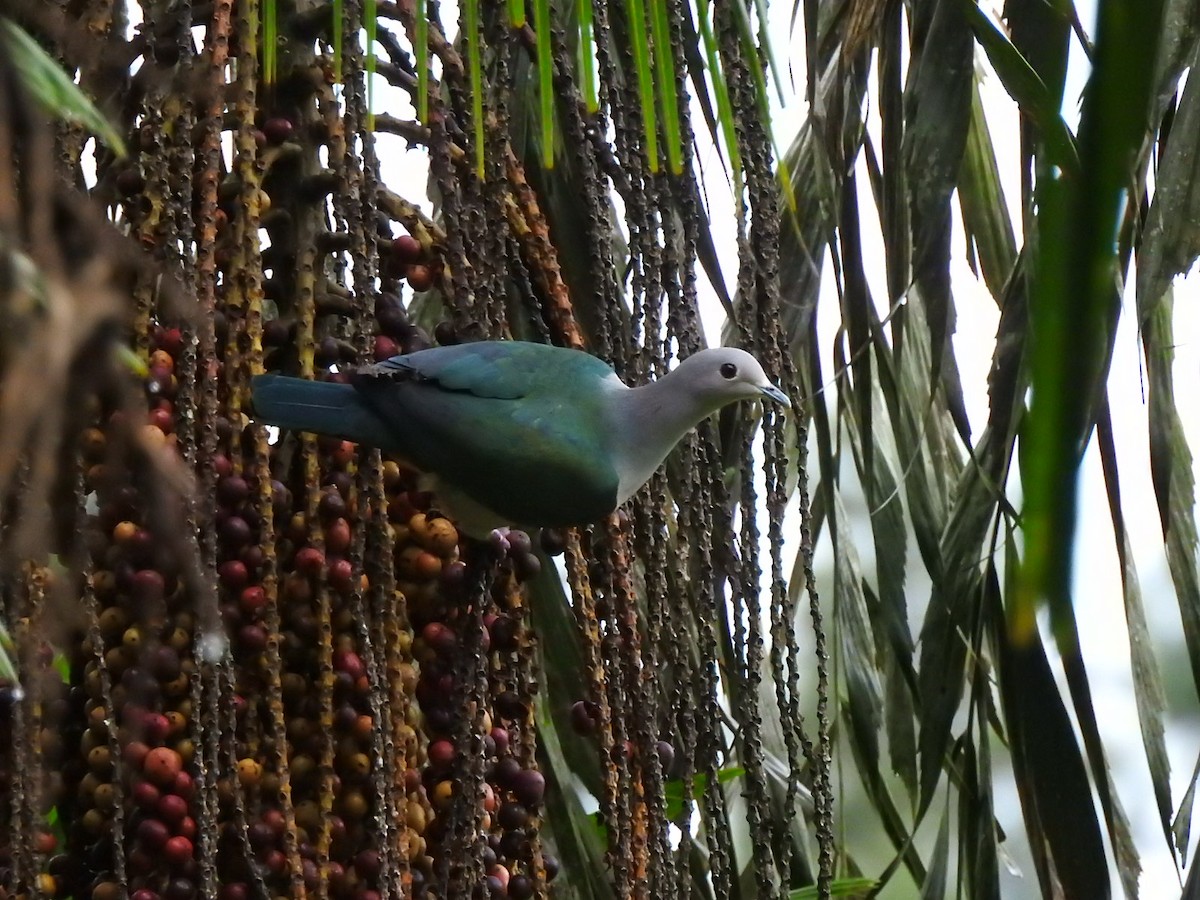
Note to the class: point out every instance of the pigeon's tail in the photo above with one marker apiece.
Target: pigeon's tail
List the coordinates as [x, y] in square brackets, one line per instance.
[320, 407]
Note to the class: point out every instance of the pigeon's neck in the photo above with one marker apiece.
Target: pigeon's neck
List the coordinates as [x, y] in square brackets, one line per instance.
[651, 420]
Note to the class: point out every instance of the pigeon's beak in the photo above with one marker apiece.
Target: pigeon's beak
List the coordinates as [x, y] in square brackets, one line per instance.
[776, 394]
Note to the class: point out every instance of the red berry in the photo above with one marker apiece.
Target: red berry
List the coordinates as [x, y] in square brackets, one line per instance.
[407, 249]
[172, 808]
[309, 560]
[178, 850]
[253, 599]
[153, 833]
[171, 340]
[183, 785]
[233, 490]
[666, 755]
[162, 765]
[350, 663]
[385, 348]
[134, 753]
[236, 532]
[500, 737]
[420, 277]
[222, 467]
[337, 536]
[261, 836]
[164, 662]
[441, 754]
[273, 819]
[130, 182]
[156, 727]
[585, 717]
[145, 795]
[163, 384]
[529, 787]
[233, 574]
[187, 828]
[500, 873]
[507, 771]
[343, 453]
[341, 575]
[253, 557]
[162, 420]
[252, 638]
[278, 129]
[439, 638]
[368, 865]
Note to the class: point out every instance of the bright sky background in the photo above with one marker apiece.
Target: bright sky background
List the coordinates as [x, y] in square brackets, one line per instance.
[1097, 583]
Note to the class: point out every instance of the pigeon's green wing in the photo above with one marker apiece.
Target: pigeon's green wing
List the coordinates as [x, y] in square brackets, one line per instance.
[491, 416]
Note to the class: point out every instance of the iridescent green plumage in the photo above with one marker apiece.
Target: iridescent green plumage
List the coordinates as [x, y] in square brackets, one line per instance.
[516, 433]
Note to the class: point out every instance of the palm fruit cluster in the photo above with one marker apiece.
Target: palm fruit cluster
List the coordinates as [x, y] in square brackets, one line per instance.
[31, 774]
[129, 744]
[370, 732]
[493, 812]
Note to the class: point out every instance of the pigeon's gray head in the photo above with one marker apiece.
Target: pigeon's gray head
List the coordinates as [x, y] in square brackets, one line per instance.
[725, 374]
[648, 421]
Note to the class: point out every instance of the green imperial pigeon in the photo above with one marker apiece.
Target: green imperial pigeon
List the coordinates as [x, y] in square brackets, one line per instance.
[516, 433]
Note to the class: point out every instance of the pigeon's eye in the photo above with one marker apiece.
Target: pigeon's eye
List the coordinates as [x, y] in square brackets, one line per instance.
[728, 371]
